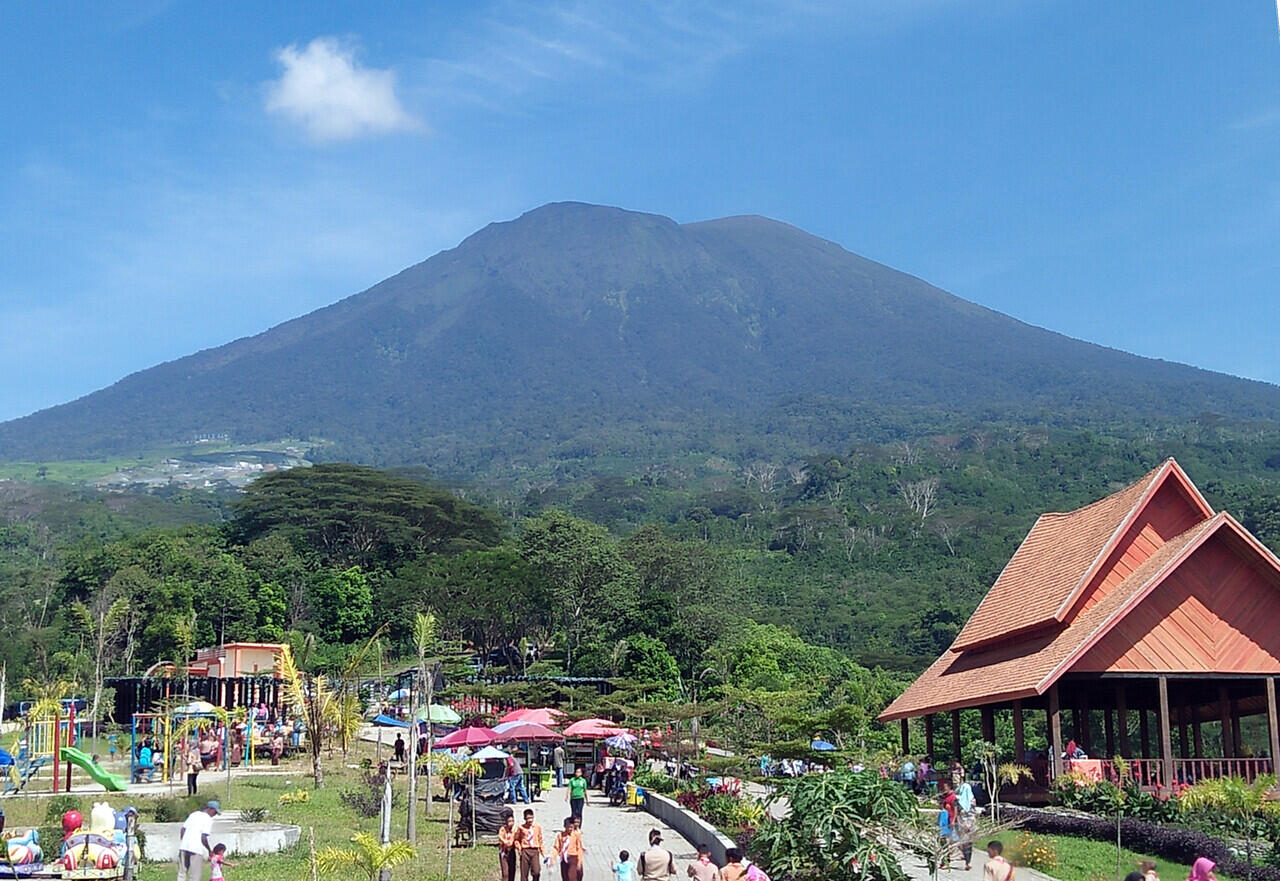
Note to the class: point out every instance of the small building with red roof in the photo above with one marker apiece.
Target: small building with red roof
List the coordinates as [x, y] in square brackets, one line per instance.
[1145, 625]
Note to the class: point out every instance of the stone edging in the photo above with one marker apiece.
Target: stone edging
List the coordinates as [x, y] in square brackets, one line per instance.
[688, 824]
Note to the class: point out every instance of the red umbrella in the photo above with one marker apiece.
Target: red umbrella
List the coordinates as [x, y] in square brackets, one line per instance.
[548, 716]
[475, 736]
[526, 732]
[593, 729]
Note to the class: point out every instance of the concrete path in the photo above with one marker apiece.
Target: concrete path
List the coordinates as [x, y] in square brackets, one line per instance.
[917, 871]
[607, 830]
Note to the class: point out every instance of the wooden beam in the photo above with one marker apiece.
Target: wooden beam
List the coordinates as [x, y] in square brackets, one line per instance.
[906, 737]
[955, 735]
[1273, 724]
[1055, 732]
[1166, 735]
[928, 737]
[1224, 715]
[1197, 737]
[1019, 740]
[1122, 719]
[988, 724]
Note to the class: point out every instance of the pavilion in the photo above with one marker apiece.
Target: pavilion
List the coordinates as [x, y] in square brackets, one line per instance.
[1144, 604]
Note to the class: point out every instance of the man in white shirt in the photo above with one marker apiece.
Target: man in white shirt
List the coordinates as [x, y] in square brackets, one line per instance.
[193, 842]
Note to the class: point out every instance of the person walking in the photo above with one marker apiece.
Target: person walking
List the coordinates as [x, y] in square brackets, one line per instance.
[193, 762]
[577, 793]
[997, 868]
[515, 781]
[569, 848]
[657, 863]
[400, 749]
[507, 847]
[529, 847]
[733, 869]
[193, 842]
[703, 869]
[557, 763]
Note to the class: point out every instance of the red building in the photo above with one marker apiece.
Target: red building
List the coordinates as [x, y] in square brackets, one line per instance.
[1142, 625]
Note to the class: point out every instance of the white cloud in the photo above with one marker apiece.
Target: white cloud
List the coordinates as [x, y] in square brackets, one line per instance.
[326, 91]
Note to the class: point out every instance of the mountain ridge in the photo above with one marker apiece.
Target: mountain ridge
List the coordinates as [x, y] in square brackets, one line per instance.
[598, 327]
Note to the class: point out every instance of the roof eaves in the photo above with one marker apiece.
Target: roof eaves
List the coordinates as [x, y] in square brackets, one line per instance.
[890, 714]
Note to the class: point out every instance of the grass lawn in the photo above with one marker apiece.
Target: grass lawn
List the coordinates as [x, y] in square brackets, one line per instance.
[332, 822]
[1083, 859]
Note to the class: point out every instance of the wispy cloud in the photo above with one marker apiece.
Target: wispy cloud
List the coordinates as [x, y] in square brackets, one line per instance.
[325, 90]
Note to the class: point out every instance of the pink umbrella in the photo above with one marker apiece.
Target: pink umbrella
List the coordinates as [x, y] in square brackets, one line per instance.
[548, 716]
[593, 729]
[525, 732]
[475, 736]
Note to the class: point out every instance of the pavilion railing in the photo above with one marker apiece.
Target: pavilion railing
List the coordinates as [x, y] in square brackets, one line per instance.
[1149, 773]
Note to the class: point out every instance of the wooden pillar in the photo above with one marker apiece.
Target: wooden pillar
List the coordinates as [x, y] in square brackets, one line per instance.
[1184, 729]
[1237, 748]
[1110, 733]
[1166, 735]
[955, 734]
[1122, 720]
[1019, 741]
[1273, 723]
[1084, 735]
[988, 724]
[1144, 732]
[1055, 732]
[906, 737]
[928, 736]
[1197, 738]
[1224, 714]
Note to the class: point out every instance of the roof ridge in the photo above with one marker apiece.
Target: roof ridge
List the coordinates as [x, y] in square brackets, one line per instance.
[1145, 479]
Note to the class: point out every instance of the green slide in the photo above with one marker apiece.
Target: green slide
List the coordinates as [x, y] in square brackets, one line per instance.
[113, 782]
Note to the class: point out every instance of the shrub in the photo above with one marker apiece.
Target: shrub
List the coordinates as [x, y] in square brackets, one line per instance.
[1033, 852]
[365, 798]
[59, 805]
[655, 781]
[253, 815]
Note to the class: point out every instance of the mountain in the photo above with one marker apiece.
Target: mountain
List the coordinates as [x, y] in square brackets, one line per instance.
[585, 331]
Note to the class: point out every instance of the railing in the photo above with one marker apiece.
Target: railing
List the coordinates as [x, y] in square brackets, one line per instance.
[1149, 773]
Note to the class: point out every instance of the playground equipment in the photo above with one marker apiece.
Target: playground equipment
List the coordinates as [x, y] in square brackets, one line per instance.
[99, 775]
[42, 745]
[101, 844]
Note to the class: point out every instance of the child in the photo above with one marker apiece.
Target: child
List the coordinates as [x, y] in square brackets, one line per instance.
[997, 867]
[1148, 869]
[948, 835]
[622, 870]
[217, 860]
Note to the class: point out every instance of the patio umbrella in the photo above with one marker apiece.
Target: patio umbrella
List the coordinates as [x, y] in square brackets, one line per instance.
[822, 746]
[593, 729]
[398, 695]
[621, 741]
[439, 714]
[489, 754]
[525, 732]
[476, 736]
[548, 716]
[195, 708]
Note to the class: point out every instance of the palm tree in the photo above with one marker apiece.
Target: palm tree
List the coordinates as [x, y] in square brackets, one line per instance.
[1246, 802]
[424, 640]
[458, 769]
[368, 857]
[312, 699]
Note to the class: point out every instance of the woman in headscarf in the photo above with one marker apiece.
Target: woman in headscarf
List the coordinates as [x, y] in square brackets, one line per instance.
[1202, 870]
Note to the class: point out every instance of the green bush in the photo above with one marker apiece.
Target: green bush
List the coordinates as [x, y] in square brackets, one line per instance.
[59, 805]
[655, 781]
[175, 810]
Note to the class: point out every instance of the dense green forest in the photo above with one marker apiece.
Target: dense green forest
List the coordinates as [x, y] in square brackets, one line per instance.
[827, 580]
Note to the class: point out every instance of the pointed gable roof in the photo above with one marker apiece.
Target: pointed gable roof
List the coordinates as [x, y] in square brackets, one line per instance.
[1061, 556]
[1026, 663]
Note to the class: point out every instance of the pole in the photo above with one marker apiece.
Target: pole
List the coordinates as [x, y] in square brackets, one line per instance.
[56, 724]
[1166, 736]
[1055, 731]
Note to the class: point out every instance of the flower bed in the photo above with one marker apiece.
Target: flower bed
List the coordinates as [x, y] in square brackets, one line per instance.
[1175, 843]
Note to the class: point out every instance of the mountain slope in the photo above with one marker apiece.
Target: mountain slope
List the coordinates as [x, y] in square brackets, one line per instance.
[579, 330]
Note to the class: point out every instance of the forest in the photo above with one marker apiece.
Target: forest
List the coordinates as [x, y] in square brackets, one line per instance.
[798, 589]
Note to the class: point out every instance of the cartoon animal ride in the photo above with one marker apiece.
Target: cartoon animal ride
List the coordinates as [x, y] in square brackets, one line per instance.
[98, 847]
[25, 850]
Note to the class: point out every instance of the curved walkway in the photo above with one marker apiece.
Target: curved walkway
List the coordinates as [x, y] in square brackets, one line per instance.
[607, 830]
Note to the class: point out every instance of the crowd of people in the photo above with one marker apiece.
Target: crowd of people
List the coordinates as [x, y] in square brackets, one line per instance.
[271, 734]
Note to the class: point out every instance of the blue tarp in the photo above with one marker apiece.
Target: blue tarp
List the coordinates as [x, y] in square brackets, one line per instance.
[822, 746]
[6, 758]
[383, 719]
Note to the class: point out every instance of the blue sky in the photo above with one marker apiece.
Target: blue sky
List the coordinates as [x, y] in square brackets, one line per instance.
[176, 175]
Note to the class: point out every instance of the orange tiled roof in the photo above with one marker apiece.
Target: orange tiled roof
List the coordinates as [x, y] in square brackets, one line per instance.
[1027, 667]
[1052, 564]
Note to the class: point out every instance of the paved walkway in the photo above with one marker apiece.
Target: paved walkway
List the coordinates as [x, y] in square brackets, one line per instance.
[607, 830]
[918, 871]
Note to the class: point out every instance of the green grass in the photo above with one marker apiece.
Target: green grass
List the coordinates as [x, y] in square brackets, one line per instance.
[1083, 859]
[333, 824]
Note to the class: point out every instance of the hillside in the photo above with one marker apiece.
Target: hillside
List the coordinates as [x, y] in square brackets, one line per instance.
[579, 331]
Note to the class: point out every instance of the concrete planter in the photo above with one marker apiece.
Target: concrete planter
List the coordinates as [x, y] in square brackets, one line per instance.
[238, 836]
[688, 824]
